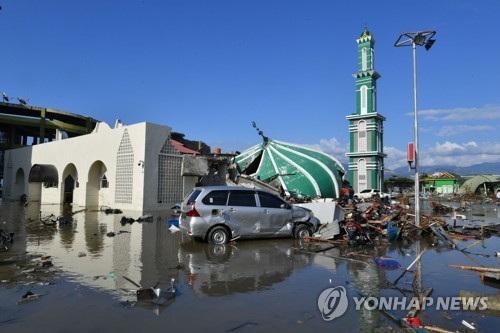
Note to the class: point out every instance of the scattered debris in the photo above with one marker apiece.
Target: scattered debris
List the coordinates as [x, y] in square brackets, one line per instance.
[29, 297]
[124, 220]
[387, 262]
[410, 266]
[6, 240]
[442, 208]
[441, 234]
[492, 301]
[413, 312]
[478, 269]
[145, 218]
[468, 325]
[109, 210]
[491, 279]
[173, 229]
[436, 329]
[391, 314]
[328, 256]
[153, 294]
[113, 234]
[247, 324]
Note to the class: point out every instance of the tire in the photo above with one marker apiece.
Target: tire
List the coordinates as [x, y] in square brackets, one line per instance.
[302, 231]
[218, 235]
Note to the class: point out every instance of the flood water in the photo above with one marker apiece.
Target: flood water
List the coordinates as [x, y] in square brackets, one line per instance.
[247, 286]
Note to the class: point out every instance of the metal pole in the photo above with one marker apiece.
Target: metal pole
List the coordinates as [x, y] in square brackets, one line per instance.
[417, 180]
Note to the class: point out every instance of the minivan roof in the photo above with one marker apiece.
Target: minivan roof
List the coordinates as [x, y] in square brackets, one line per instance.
[224, 187]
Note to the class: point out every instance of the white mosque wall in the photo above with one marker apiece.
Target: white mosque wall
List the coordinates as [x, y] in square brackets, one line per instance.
[126, 155]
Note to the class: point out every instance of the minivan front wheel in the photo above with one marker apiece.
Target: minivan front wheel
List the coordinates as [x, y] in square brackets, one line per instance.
[218, 235]
[302, 231]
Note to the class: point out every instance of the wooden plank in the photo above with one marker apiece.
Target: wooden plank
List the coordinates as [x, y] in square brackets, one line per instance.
[478, 269]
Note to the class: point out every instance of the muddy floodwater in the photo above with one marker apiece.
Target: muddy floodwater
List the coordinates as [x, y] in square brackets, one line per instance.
[70, 277]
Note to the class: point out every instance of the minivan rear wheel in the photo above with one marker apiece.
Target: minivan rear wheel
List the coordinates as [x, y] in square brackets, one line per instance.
[218, 235]
[302, 231]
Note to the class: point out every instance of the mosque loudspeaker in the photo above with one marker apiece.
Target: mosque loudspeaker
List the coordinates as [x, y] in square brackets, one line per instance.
[411, 154]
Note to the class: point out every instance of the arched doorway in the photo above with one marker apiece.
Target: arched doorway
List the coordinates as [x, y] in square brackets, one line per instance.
[70, 182]
[97, 182]
[69, 186]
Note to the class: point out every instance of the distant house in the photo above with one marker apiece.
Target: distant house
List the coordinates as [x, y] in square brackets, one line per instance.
[441, 182]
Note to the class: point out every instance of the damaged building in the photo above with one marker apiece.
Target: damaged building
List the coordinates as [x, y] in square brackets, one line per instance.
[140, 167]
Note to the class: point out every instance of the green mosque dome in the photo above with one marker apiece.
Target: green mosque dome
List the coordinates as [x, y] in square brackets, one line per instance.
[302, 172]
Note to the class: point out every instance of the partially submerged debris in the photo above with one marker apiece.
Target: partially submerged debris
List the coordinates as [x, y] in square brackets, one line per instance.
[410, 266]
[29, 297]
[477, 269]
[442, 208]
[491, 279]
[387, 262]
[109, 210]
[145, 218]
[153, 294]
[6, 240]
[490, 301]
[113, 234]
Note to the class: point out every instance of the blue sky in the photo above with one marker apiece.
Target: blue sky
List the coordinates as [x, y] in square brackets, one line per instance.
[209, 68]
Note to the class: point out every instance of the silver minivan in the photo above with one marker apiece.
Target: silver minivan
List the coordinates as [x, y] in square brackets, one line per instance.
[217, 214]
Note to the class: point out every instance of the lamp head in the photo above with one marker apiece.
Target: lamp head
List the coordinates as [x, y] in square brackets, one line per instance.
[419, 39]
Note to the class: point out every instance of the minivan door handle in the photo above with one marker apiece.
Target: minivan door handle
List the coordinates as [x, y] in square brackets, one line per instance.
[232, 210]
[266, 211]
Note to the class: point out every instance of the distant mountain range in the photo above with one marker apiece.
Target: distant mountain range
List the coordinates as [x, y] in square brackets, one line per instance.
[477, 169]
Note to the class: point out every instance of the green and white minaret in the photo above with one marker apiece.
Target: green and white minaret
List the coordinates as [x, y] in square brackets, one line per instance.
[366, 152]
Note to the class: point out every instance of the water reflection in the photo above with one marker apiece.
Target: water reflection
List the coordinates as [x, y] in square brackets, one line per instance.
[271, 272]
[247, 266]
[145, 252]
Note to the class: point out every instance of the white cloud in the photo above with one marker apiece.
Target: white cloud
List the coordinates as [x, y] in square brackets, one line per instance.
[488, 112]
[461, 154]
[395, 158]
[447, 153]
[333, 147]
[456, 130]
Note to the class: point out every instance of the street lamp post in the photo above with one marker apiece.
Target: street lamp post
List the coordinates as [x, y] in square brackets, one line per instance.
[413, 39]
